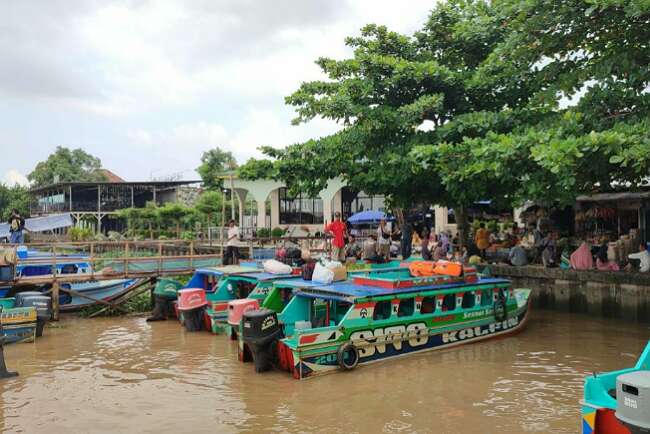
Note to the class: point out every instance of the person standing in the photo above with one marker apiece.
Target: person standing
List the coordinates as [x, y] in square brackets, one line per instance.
[424, 246]
[482, 239]
[406, 242]
[383, 239]
[338, 230]
[16, 227]
[232, 246]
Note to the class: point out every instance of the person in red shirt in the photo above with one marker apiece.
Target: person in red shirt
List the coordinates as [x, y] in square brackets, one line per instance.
[338, 229]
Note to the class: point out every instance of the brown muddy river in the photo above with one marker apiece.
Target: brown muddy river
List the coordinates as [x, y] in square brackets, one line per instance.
[125, 375]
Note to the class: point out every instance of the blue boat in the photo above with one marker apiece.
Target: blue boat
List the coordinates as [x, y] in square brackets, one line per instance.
[105, 290]
[602, 412]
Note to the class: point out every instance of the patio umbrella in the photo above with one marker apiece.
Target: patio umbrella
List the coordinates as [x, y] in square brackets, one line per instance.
[366, 217]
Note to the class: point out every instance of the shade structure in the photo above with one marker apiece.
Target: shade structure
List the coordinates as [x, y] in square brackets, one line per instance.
[369, 216]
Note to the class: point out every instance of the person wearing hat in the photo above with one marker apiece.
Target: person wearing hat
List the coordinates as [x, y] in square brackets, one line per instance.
[16, 227]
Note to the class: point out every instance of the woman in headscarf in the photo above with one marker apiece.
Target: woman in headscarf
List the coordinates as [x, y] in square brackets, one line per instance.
[581, 259]
[602, 261]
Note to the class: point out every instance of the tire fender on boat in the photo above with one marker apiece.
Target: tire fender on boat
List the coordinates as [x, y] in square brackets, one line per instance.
[348, 348]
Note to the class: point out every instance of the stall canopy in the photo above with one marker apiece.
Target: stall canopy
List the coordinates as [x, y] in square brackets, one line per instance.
[624, 195]
[366, 217]
[41, 224]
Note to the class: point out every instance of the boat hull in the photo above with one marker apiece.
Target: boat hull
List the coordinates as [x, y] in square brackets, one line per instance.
[409, 341]
[101, 290]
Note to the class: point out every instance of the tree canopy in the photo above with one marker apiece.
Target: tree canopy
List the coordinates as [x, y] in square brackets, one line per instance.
[505, 100]
[213, 165]
[13, 197]
[67, 165]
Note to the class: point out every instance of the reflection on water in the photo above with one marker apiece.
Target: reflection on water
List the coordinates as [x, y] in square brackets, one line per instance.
[125, 375]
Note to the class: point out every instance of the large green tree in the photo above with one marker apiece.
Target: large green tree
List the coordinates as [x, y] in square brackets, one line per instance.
[66, 165]
[213, 165]
[13, 197]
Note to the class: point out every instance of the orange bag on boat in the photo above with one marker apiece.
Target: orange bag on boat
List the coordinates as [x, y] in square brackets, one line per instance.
[421, 268]
[448, 268]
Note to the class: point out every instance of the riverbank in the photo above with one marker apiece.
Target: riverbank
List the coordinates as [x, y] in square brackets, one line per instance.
[114, 374]
[621, 295]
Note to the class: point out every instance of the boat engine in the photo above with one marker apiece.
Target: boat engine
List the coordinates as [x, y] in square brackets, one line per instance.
[261, 332]
[43, 305]
[633, 401]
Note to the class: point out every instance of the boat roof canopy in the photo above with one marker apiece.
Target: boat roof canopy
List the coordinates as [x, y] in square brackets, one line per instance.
[227, 270]
[349, 290]
[263, 276]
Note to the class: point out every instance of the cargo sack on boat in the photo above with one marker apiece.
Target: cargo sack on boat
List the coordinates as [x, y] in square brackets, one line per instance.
[307, 270]
[448, 268]
[276, 267]
[322, 274]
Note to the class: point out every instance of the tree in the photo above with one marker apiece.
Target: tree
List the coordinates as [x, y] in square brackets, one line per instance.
[149, 214]
[213, 164]
[133, 217]
[173, 212]
[209, 204]
[257, 169]
[67, 165]
[13, 197]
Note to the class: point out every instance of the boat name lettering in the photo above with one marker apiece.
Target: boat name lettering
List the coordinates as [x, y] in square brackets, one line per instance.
[416, 334]
[473, 332]
[475, 314]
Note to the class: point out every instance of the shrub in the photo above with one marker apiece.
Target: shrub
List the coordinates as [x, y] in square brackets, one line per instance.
[80, 234]
[277, 232]
[263, 233]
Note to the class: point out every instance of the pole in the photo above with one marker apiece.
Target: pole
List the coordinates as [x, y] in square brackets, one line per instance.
[223, 220]
[232, 198]
[55, 300]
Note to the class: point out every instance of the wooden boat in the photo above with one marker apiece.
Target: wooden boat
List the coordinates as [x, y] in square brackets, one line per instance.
[613, 405]
[325, 328]
[106, 290]
[18, 323]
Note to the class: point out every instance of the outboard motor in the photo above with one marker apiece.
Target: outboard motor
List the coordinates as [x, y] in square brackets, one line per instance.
[633, 401]
[261, 332]
[165, 292]
[192, 303]
[43, 305]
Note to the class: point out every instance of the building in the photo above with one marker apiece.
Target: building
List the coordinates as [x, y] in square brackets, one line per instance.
[96, 202]
[276, 207]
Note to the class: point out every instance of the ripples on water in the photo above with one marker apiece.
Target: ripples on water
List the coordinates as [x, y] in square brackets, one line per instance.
[125, 375]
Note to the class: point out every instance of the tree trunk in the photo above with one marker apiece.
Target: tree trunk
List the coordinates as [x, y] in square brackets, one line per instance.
[461, 223]
[150, 230]
[178, 230]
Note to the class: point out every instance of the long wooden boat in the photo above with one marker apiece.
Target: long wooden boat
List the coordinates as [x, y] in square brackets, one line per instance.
[105, 290]
[18, 323]
[612, 405]
[325, 328]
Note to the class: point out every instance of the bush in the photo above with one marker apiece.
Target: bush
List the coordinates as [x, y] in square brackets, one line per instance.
[80, 234]
[188, 235]
[263, 233]
[277, 232]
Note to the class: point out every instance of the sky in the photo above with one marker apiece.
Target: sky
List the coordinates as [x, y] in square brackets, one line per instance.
[148, 86]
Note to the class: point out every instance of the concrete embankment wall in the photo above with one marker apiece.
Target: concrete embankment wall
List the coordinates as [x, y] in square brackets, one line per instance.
[608, 294]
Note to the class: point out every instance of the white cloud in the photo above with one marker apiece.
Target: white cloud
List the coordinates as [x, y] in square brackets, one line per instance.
[13, 177]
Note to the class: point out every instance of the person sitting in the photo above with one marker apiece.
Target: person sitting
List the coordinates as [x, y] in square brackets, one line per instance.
[547, 247]
[581, 259]
[517, 256]
[602, 261]
[426, 253]
[482, 239]
[438, 252]
[370, 248]
[643, 257]
[352, 248]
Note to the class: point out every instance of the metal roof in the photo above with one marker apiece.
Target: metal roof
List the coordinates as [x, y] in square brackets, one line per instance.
[113, 184]
[348, 289]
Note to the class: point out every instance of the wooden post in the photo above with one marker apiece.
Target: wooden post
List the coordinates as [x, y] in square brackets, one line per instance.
[126, 259]
[54, 271]
[55, 300]
[159, 257]
[92, 260]
[191, 254]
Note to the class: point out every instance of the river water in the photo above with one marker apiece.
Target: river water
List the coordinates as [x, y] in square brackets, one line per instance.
[126, 375]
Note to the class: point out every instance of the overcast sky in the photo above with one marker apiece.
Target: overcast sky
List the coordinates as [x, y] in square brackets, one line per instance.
[147, 86]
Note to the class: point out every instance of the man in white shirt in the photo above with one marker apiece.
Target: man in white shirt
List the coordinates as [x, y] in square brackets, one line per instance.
[643, 256]
[232, 244]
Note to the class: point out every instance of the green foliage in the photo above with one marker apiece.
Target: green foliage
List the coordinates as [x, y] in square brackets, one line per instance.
[213, 164]
[257, 169]
[13, 197]
[80, 234]
[188, 235]
[277, 232]
[263, 233]
[67, 166]
[173, 212]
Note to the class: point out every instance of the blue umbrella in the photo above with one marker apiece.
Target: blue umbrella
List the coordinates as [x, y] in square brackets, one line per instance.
[365, 217]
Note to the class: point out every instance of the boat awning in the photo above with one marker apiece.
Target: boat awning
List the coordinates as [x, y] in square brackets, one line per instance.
[623, 195]
[228, 270]
[265, 277]
[41, 224]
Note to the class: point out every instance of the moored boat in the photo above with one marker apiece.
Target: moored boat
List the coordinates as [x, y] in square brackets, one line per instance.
[105, 290]
[325, 328]
[618, 402]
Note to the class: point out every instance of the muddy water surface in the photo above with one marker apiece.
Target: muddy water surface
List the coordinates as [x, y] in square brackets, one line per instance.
[125, 375]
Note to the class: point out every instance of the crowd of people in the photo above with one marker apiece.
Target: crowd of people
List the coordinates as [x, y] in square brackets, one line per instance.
[531, 245]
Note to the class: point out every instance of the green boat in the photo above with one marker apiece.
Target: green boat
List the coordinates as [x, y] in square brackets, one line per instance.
[18, 323]
[326, 328]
